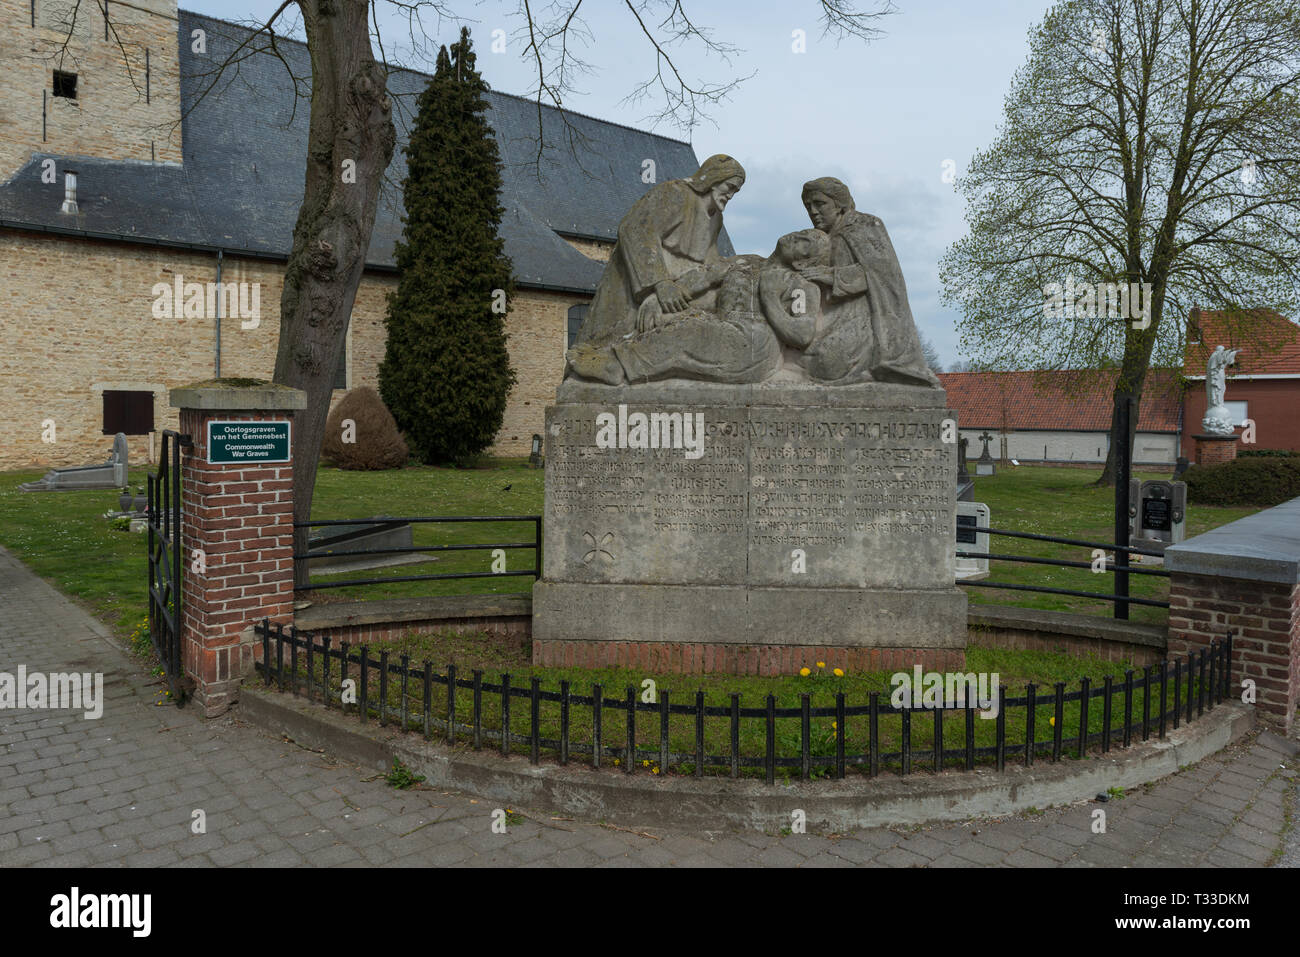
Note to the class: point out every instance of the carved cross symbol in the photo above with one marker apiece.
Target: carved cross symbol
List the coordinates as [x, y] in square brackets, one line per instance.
[598, 548]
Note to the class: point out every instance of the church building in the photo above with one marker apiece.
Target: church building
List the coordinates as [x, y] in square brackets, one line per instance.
[130, 171]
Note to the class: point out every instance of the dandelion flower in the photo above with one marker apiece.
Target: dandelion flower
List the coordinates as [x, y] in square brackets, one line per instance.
[655, 771]
[1052, 721]
[839, 672]
[821, 664]
[804, 672]
[645, 764]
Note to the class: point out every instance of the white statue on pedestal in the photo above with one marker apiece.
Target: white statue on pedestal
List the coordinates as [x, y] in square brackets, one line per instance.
[1217, 420]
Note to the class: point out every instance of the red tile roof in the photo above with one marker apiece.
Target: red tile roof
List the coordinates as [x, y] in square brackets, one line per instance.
[1069, 400]
[1269, 343]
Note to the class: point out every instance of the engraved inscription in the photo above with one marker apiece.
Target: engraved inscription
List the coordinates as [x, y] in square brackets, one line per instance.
[851, 488]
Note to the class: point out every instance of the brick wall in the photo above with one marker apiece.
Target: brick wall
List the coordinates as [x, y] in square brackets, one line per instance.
[517, 627]
[240, 517]
[76, 319]
[1103, 648]
[692, 658]
[1270, 404]
[1264, 618]
[1214, 451]
[111, 118]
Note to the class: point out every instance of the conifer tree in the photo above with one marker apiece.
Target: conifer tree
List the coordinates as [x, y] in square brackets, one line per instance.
[446, 371]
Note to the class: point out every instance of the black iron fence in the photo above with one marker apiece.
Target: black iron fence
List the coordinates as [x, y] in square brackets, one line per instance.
[166, 553]
[536, 545]
[474, 711]
[1120, 596]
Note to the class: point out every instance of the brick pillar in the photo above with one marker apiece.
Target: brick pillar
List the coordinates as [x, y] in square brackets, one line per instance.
[1215, 449]
[1244, 577]
[237, 512]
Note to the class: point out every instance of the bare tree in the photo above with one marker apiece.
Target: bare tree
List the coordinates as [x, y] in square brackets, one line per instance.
[931, 353]
[1147, 145]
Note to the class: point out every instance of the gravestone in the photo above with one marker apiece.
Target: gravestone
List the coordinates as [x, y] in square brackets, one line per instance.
[535, 455]
[971, 516]
[730, 478]
[984, 464]
[1158, 515]
[111, 474]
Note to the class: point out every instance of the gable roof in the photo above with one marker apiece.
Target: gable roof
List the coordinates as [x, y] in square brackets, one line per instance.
[1067, 400]
[242, 179]
[1269, 343]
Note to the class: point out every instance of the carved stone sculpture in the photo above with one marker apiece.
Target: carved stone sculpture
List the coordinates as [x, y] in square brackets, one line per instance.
[749, 458]
[1217, 420]
[829, 306]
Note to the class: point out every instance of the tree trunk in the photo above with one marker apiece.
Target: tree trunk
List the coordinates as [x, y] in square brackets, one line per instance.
[1131, 380]
[350, 121]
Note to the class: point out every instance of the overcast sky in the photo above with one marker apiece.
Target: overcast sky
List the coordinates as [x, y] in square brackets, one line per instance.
[882, 117]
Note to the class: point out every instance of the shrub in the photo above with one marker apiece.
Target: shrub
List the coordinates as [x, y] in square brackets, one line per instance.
[377, 445]
[1257, 480]
[1266, 453]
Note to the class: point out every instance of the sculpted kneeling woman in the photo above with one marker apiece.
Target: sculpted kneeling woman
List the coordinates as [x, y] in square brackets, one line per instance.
[666, 257]
[867, 331]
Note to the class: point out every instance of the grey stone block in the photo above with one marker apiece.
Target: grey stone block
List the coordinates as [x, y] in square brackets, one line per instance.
[790, 524]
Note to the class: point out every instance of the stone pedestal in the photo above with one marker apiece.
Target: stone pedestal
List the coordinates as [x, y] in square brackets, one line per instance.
[749, 529]
[237, 534]
[1215, 449]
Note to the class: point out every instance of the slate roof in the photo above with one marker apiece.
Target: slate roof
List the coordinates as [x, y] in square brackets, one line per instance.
[1269, 344]
[1067, 401]
[242, 178]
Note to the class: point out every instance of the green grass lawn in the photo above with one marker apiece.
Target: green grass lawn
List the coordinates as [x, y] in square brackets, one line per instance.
[509, 487]
[63, 538]
[1063, 502]
[494, 658]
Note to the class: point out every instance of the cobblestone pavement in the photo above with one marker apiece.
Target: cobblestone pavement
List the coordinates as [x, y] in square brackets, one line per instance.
[122, 790]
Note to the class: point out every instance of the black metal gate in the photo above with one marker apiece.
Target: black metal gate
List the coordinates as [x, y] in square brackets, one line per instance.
[166, 553]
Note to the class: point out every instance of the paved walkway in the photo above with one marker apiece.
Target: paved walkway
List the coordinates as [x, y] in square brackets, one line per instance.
[123, 790]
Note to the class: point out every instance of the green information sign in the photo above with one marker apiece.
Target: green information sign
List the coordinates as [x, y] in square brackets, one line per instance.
[237, 442]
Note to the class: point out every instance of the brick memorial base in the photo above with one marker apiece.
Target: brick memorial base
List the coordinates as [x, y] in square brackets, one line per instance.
[1244, 578]
[1215, 449]
[699, 658]
[237, 535]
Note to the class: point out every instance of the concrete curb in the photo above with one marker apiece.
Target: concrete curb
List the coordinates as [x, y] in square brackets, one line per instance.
[713, 803]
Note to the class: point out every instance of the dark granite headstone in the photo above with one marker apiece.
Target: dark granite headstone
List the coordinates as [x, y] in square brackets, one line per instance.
[1157, 513]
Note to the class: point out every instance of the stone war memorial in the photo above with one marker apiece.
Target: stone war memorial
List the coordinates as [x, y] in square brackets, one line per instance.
[749, 465]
